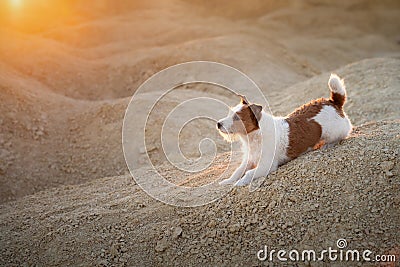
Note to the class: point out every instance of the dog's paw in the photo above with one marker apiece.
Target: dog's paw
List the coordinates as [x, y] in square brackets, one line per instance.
[244, 181]
[226, 181]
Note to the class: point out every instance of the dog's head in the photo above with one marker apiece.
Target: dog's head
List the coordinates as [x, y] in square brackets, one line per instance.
[241, 120]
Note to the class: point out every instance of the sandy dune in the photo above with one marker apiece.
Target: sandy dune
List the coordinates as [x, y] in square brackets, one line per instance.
[318, 198]
[64, 90]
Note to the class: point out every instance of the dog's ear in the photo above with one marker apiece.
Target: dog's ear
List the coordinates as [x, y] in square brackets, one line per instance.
[256, 109]
[243, 99]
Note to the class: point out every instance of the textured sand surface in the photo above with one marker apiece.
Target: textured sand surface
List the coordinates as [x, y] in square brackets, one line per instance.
[67, 197]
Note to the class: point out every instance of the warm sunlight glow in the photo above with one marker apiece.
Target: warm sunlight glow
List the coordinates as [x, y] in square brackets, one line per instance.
[37, 15]
[16, 3]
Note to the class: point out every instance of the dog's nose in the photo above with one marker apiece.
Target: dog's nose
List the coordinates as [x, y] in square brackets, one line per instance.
[219, 125]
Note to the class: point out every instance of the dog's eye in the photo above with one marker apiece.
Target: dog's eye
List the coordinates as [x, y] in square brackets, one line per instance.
[236, 117]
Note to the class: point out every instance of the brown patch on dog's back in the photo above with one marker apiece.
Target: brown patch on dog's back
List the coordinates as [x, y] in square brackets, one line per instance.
[248, 118]
[304, 133]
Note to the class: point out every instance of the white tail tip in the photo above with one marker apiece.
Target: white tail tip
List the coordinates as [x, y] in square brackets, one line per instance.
[336, 85]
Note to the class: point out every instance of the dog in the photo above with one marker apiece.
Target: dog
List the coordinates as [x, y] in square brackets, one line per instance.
[269, 141]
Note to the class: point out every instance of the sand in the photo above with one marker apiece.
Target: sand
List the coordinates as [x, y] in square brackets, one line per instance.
[67, 196]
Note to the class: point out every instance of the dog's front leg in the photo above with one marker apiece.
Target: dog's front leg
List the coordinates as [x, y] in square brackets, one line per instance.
[261, 170]
[236, 174]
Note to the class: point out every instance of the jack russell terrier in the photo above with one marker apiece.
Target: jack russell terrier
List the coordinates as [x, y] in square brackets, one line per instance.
[268, 141]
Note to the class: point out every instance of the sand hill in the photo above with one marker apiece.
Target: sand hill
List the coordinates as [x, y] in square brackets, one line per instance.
[67, 197]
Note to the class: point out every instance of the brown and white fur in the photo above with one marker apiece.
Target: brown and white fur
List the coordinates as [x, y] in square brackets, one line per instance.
[268, 141]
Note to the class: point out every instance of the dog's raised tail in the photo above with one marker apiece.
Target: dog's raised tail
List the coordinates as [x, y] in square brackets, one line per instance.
[338, 90]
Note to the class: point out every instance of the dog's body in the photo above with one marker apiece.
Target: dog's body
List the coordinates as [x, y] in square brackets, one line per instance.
[268, 141]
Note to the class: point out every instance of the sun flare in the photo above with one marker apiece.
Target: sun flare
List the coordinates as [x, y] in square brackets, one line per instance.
[37, 15]
[16, 3]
